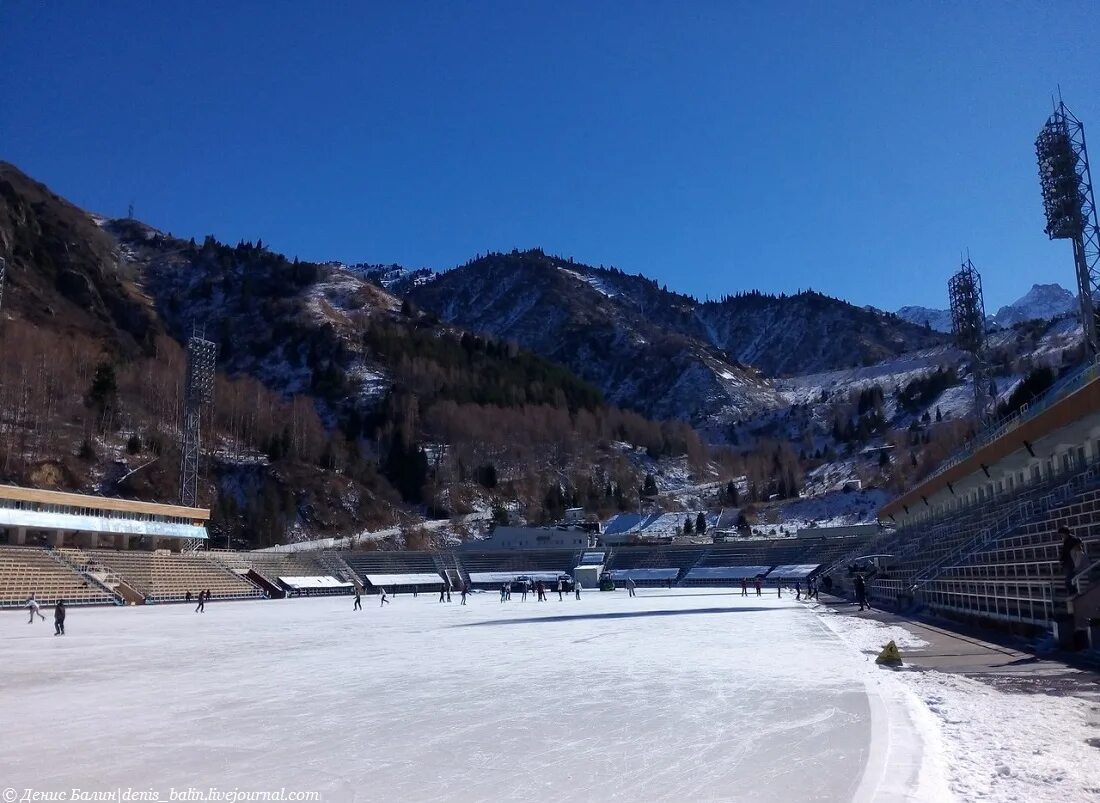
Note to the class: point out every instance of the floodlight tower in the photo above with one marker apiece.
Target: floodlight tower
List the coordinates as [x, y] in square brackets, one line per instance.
[201, 356]
[1070, 207]
[968, 326]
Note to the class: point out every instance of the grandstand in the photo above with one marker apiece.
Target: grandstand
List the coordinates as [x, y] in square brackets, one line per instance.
[484, 569]
[283, 573]
[978, 540]
[161, 576]
[26, 570]
[395, 571]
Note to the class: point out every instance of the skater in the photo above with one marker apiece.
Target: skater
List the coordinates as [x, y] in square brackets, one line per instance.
[779, 588]
[358, 606]
[32, 606]
[744, 587]
[759, 586]
[540, 587]
[631, 586]
[524, 589]
[385, 598]
[503, 592]
[577, 588]
[1073, 554]
[448, 586]
[797, 590]
[560, 598]
[188, 597]
[201, 607]
[442, 593]
[668, 583]
[465, 591]
[59, 618]
[860, 586]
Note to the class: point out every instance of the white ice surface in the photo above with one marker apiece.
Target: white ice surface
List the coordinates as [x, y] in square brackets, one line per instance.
[675, 695]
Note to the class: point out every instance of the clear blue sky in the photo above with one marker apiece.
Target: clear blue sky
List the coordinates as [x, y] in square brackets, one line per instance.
[853, 147]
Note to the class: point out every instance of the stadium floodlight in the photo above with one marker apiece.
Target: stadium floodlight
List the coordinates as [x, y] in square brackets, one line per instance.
[201, 358]
[1070, 207]
[968, 327]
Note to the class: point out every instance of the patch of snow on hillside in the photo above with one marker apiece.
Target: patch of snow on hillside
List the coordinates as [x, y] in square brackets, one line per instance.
[594, 282]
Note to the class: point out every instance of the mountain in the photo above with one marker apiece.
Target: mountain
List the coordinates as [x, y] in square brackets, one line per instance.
[611, 330]
[659, 351]
[1042, 302]
[936, 319]
[338, 405]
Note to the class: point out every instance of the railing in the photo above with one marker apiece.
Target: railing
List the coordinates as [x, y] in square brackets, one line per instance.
[1027, 509]
[1059, 390]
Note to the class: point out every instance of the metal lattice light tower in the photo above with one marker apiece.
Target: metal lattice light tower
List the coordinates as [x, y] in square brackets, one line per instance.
[201, 356]
[1070, 207]
[968, 326]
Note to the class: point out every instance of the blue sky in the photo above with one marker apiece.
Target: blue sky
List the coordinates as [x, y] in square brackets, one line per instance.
[857, 148]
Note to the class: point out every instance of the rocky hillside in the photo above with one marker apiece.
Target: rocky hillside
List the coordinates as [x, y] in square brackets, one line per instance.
[339, 406]
[617, 337]
[660, 351]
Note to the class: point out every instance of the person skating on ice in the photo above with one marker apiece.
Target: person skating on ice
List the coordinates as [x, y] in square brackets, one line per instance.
[385, 598]
[465, 591]
[631, 586]
[744, 587]
[560, 588]
[201, 607]
[577, 588]
[358, 606]
[59, 618]
[32, 607]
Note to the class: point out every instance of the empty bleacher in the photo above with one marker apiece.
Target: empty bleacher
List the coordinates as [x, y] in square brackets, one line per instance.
[274, 570]
[486, 568]
[165, 576]
[27, 570]
[394, 571]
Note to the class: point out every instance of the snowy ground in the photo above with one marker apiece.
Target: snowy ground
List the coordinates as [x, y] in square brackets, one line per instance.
[677, 695]
[1033, 746]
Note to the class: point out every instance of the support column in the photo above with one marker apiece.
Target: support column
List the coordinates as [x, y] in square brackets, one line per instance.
[122, 541]
[57, 540]
[18, 536]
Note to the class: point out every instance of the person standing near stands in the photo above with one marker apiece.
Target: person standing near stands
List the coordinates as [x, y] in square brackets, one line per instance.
[797, 590]
[465, 591]
[358, 606]
[442, 593]
[860, 586]
[744, 586]
[631, 586]
[759, 586]
[1073, 554]
[540, 587]
[32, 606]
[59, 618]
[560, 588]
[577, 588]
[201, 607]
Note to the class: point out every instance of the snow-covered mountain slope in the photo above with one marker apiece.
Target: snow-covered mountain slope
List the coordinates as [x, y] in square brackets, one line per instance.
[1043, 302]
[937, 319]
[581, 319]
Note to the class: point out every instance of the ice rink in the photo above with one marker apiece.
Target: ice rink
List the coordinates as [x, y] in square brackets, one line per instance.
[685, 694]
